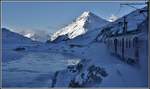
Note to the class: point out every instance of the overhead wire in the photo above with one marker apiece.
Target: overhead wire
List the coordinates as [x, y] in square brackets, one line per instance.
[120, 7]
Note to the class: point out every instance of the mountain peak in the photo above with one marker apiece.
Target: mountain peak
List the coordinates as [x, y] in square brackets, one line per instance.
[86, 13]
[86, 22]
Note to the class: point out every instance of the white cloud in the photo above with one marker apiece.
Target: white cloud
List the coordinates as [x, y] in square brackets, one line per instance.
[38, 35]
[112, 18]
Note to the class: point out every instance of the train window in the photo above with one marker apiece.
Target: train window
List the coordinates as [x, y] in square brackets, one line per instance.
[135, 41]
[122, 44]
[129, 43]
[126, 43]
[119, 43]
[110, 43]
[115, 45]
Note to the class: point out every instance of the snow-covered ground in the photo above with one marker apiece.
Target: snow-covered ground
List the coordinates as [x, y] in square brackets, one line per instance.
[36, 66]
[120, 74]
[34, 69]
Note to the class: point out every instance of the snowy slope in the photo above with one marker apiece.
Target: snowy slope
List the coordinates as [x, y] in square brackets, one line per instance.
[12, 40]
[83, 24]
[9, 37]
[34, 69]
[120, 74]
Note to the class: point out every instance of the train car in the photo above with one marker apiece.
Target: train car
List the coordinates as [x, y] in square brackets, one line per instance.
[125, 46]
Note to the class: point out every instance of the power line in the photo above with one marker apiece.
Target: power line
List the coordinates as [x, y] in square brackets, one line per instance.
[117, 12]
[131, 5]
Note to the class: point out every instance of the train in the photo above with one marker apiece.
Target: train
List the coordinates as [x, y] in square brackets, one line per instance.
[127, 46]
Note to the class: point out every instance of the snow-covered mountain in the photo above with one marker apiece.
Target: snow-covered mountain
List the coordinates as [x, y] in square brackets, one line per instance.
[83, 24]
[9, 37]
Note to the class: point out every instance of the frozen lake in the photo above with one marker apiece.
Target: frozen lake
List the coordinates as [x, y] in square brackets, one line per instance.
[35, 69]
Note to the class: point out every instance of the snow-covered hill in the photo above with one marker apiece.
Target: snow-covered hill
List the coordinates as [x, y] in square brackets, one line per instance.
[9, 37]
[12, 41]
[83, 24]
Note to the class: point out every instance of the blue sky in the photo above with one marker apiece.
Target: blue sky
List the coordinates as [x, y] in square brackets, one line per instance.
[51, 16]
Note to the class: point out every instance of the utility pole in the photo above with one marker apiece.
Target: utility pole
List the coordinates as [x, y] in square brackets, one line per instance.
[125, 24]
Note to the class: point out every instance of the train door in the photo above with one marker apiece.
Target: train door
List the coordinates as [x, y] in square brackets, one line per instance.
[115, 44]
[122, 48]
